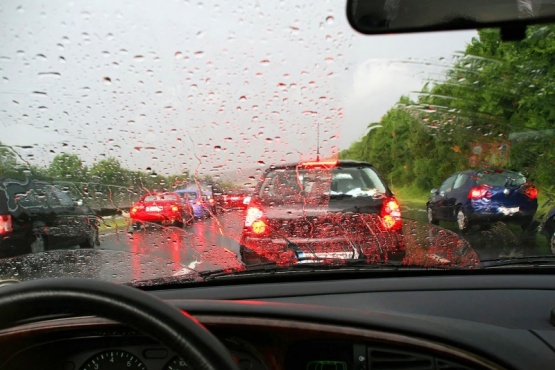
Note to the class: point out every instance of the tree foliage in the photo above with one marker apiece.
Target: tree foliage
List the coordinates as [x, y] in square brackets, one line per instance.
[497, 94]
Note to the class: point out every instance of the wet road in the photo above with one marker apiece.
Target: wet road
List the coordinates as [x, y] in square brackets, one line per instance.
[497, 240]
[206, 245]
[214, 243]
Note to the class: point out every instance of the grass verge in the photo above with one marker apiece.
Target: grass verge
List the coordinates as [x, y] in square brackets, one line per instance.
[411, 197]
[112, 223]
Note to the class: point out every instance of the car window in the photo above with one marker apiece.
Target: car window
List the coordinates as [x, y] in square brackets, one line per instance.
[64, 199]
[500, 178]
[460, 180]
[161, 198]
[448, 184]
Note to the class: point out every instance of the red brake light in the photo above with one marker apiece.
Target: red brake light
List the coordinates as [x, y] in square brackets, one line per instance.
[5, 224]
[391, 214]
[319, 164]
[478, 192]
[531, 192]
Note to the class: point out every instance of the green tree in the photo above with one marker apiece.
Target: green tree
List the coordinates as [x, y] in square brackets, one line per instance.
[110, 172]
[67, 167]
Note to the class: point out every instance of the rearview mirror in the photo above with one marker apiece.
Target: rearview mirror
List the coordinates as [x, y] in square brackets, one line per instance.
[397, 16]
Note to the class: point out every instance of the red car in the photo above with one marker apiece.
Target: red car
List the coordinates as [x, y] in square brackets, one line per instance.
[165, 208]
[236, 199]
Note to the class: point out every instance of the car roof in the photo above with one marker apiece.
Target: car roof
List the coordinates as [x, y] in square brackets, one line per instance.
[331, 164]
[188, 190]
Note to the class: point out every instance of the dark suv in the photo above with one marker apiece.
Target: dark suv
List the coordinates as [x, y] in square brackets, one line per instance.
[36, 216]
[322, 211]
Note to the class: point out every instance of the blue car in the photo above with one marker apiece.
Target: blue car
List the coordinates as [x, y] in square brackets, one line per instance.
[483, 197]
[202, 208]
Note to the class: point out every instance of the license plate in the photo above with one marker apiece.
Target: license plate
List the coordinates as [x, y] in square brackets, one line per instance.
[509, 210]
[153, 209]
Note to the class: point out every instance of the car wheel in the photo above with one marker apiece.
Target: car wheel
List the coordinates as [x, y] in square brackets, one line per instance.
[431, 218]
[462, 221]
[526, 223]
[552, 243]
[92, 239]
[39, 245]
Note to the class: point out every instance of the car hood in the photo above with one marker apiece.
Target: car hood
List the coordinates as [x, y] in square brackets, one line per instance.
[108, 265]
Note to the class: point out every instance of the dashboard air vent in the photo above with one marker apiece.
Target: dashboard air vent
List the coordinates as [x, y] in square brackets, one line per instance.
[393, 359]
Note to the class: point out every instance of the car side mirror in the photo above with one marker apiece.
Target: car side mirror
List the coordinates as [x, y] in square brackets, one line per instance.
[78, 203]
[433, 192]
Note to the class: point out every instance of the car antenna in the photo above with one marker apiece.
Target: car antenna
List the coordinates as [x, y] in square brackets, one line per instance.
[318, 141]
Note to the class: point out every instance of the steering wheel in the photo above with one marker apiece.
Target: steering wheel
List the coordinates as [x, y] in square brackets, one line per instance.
[33, 300]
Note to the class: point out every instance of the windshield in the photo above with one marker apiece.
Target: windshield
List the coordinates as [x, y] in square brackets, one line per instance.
[426, 150]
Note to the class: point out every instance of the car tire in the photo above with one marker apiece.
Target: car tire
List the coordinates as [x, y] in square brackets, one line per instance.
[92, 240]
[463, 223]
[526, 223]
[552, 243]
[39, 244]
[431, 219]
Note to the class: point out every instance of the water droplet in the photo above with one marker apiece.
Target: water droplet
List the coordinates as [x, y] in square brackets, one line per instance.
[178, 55]
[107, 80]
[265, 62]
[261, 163]
[330, 19]
[139, 58]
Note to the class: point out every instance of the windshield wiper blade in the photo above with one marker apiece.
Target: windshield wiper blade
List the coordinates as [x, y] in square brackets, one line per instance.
[274, 269]
[527, 261]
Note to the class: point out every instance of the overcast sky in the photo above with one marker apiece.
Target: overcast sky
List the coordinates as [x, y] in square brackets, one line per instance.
[176, 85]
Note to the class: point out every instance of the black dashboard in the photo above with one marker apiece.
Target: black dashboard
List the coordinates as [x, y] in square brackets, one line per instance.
[475, 321]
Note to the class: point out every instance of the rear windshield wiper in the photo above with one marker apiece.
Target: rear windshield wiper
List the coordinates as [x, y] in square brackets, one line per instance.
[340, 196]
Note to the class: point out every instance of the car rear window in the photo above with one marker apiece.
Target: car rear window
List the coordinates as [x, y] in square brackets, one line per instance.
[161, 198]
[500, 178]
[302, 184]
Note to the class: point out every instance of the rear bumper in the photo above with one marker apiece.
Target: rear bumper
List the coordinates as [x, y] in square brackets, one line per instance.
[378, 247]
[14, 241]
[480, 211]
[156, 217]
[494, 216]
